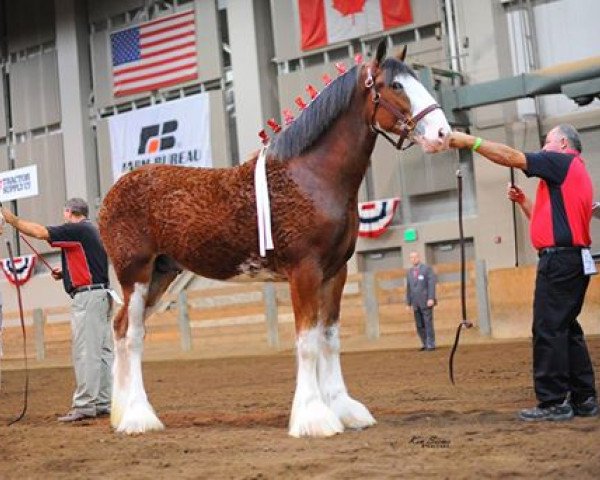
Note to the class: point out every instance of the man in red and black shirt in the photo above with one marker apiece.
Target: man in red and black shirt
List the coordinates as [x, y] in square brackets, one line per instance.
[85, 278]
[560, 231]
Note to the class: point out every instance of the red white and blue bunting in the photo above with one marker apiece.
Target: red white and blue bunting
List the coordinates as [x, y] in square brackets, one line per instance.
[23, 266]
[376, 216]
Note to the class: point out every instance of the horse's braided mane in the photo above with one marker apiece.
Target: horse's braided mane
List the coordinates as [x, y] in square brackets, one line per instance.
[316, 118]
[333, 100]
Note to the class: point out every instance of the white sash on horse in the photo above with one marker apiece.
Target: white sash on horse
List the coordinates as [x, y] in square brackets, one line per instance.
[263, 208]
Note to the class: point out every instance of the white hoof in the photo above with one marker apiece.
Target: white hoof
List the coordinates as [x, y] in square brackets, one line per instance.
[139, 418]
[351, 413]
[314, 419]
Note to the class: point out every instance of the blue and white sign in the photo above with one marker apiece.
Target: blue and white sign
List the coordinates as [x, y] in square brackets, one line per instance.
[19, 183]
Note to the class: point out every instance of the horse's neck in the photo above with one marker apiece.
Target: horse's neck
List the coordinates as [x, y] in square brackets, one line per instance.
[345, 149]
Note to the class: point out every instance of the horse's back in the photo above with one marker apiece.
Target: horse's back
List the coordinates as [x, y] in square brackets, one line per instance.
[178, 211]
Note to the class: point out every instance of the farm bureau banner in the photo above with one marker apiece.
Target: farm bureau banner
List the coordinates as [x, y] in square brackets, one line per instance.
[172, 133]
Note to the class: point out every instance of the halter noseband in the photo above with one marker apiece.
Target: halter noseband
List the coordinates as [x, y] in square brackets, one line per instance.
[407, 123]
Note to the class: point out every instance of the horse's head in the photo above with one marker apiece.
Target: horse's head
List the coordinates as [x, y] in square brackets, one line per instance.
[402, 105]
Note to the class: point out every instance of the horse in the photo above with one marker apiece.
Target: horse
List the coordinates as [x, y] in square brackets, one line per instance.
[159, 219]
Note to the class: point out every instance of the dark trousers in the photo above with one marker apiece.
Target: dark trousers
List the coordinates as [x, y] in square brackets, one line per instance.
[561, 362]
[424, 324]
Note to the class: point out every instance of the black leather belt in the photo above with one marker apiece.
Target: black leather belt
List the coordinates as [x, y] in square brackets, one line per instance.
[87, 288]
[549, 250]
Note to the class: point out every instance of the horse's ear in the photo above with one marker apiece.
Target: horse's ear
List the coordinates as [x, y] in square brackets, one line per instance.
[402, 55]
[381, 51]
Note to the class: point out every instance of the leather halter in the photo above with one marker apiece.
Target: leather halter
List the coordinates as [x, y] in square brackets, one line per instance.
[407, 123]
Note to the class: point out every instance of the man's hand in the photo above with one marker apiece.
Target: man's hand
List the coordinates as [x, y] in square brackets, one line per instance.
[460, 140]
[56, 274]
[515, 194]
[408, 308]
[8, 215]
[430, 303]
[31, 229]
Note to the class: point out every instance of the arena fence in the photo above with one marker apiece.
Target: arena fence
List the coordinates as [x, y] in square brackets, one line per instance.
[246, 318]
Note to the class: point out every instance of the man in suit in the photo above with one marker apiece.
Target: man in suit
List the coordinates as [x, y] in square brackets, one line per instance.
[420, 296]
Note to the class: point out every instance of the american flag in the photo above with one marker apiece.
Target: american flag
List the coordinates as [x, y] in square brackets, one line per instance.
[154, 54]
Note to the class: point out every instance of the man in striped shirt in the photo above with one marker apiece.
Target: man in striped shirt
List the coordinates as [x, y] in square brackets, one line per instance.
[560, 232]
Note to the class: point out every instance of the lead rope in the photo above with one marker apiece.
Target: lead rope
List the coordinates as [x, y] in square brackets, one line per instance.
[463, 296]
[26, 387]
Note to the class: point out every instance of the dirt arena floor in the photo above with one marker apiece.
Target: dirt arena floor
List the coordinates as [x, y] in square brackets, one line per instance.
[227, 418]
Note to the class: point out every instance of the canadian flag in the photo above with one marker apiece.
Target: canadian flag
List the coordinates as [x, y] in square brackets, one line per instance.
[328, 21]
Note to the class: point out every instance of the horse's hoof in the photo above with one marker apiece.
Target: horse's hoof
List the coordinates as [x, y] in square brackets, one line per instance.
[139, 418]
[352, 413]
[314, 420]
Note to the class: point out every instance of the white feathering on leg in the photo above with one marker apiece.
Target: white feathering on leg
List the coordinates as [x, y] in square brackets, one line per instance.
[351, 413]
[137, 415]
[310, 417]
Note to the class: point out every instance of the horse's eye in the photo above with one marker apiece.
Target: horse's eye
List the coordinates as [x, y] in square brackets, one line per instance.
[397, 86]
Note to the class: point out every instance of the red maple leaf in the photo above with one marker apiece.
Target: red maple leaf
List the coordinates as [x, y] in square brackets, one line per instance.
[349, 7]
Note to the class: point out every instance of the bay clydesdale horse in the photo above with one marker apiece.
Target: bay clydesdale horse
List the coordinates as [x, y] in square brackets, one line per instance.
[159, 219]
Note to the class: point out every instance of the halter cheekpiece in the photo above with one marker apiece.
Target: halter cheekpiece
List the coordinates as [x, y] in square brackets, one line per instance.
[406, 123]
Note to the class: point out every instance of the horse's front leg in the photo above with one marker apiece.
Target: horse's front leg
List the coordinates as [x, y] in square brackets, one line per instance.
[310, 417]
[352, 414]
[131, 411]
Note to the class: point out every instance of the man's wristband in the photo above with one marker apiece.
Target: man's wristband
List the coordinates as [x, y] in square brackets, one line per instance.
[477, 144]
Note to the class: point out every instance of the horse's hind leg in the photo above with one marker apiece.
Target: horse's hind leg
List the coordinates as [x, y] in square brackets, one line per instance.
[352, 414]
[309, 416]
[164, 272]
[132, 412]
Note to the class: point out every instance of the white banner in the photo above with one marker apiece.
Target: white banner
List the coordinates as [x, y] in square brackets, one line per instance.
[172, 133]
[18, 183]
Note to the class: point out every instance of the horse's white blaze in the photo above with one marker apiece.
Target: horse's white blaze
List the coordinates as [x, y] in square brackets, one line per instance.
[310, 417]
[352, 414]
[429, 128]
[135, 413]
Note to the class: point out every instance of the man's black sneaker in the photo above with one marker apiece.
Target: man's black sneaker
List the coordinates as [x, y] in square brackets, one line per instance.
[589, 408]
[553, 413]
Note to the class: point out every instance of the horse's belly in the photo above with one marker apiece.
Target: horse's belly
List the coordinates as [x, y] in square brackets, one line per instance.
[252, 269]
[262, 276]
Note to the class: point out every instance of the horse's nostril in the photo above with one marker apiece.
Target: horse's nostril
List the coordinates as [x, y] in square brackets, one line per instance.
[441, 133]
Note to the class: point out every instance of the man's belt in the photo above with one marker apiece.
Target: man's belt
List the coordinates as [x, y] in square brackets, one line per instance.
[87, 288]
[549, 250]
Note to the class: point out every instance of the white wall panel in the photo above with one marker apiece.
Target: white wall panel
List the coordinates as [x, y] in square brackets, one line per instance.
[2, 111]
[34, 92]
[47, 153]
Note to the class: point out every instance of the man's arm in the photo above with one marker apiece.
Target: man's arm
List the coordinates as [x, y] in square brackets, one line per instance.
[30, 229]
[496, 152]
[431, 281]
